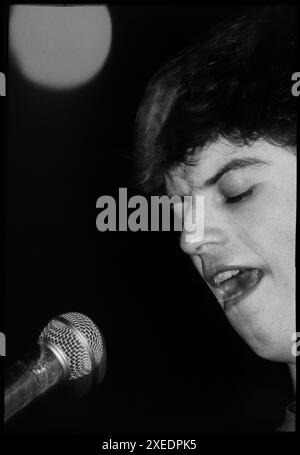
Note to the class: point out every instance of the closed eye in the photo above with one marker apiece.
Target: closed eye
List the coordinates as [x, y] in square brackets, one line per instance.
[239, 197]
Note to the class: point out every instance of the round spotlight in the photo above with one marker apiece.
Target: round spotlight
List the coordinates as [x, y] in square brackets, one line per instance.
[60, 47]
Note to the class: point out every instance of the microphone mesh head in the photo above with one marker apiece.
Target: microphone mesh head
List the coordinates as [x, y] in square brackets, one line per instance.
[79, 339]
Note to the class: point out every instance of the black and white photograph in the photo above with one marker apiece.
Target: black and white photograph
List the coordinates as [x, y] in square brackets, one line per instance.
[148, 233]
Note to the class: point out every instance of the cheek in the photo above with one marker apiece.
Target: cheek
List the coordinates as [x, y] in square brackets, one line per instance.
[280, 234]
[268, 228]
[276, 246]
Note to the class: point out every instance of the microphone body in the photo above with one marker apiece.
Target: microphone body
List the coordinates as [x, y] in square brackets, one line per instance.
[31, 377]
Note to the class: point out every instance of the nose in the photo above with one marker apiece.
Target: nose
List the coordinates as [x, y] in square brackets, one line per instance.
[213, 232]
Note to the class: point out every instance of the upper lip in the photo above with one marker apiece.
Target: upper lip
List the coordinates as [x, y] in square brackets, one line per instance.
[211, 271]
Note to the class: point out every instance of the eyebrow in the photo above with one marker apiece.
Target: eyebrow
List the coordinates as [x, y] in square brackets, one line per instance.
[233, 165]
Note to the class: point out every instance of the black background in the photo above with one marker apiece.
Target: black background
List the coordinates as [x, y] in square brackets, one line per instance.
[174, 363]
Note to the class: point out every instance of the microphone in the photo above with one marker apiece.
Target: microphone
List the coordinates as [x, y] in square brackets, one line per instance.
[70, 348]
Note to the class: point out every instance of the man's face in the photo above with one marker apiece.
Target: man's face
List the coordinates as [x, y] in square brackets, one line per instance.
[247, 254]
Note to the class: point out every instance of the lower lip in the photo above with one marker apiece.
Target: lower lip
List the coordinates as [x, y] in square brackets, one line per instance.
[228, 304]
[231, 292]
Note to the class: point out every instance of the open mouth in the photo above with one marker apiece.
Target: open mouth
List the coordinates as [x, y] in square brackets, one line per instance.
[231, 284]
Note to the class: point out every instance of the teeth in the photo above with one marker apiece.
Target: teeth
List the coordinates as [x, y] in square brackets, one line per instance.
[220, 277]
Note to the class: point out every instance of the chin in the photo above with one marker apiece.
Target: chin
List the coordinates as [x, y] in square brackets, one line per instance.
[274, 353]
[267, 330]
[270, 347]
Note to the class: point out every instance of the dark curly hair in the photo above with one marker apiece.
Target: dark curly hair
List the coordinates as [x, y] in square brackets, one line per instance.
[236, 84]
